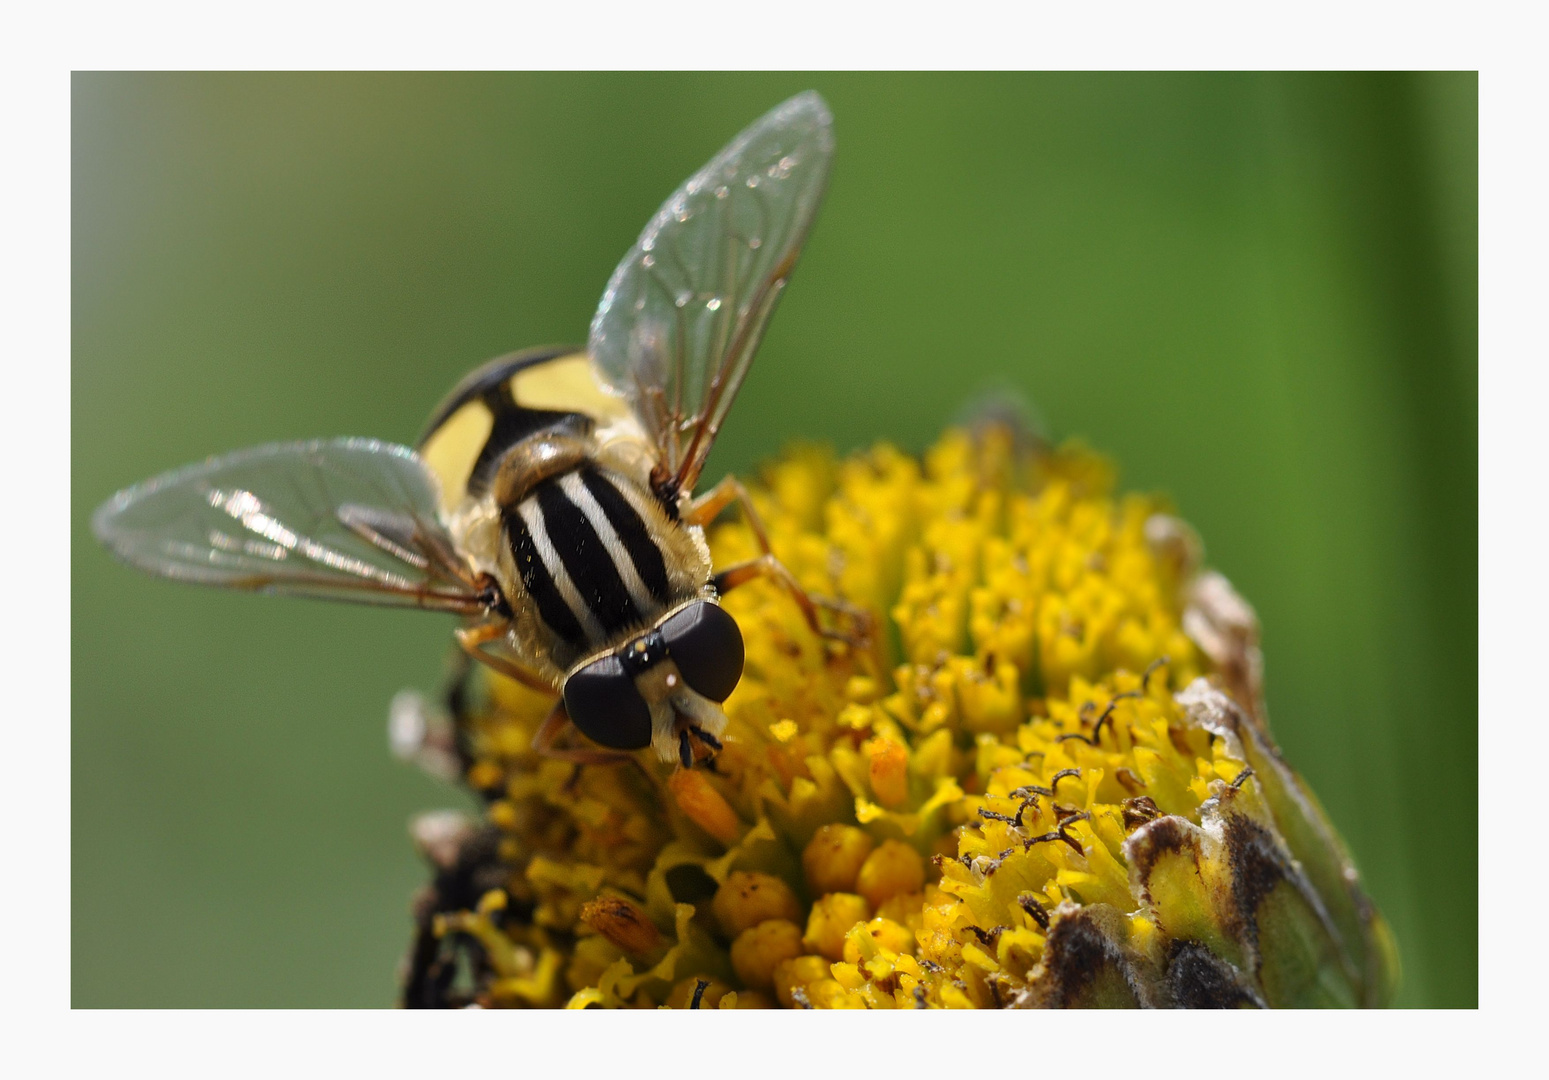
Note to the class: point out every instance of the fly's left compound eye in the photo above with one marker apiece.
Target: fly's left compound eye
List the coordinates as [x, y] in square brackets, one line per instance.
[602, 701]
[706, 645]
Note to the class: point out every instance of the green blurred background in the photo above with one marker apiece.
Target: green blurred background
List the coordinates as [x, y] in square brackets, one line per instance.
[1258, 292]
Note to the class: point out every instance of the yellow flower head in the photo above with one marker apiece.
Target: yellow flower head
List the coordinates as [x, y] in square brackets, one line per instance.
[1047, 782]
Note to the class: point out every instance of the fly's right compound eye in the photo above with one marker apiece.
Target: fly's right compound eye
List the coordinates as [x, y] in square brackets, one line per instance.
[706, 644]
[602, 701]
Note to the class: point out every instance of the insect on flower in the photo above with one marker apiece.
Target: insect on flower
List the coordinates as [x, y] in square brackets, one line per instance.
[551, 501]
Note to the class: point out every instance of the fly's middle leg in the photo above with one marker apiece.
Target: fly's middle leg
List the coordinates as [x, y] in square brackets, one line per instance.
[730, 490]
[472, 639]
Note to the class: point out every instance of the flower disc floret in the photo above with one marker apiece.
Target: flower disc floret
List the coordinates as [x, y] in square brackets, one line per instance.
[1046, 780]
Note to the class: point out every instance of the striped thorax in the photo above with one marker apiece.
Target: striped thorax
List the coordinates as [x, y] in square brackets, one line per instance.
[554, 501]
[599, 558]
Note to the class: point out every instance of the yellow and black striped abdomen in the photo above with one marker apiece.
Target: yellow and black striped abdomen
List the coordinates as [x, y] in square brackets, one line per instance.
[502, 403]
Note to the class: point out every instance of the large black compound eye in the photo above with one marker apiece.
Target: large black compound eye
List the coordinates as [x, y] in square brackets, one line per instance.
[602, 701]
[706, 645]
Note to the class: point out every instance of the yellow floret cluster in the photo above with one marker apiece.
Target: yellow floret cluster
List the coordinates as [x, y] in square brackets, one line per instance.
[980, 808]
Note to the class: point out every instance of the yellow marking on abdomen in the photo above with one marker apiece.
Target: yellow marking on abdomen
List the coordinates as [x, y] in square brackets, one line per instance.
[565, 384]
[452, 449]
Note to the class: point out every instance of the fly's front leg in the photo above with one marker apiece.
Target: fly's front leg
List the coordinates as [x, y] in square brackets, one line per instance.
[704, 509]
[546, 741]
[472, 640]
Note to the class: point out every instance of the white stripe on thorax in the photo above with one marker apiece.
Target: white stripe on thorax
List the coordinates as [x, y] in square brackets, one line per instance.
[575, 490]
[532, 514]
[646, 510]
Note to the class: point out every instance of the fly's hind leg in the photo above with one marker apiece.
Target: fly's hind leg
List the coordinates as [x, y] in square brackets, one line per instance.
[704, 509]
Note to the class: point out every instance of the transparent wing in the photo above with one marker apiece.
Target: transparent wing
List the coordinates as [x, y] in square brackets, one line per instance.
[684, 312]
[341, 519]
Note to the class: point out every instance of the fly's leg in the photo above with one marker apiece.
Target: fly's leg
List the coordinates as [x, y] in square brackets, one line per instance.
[546, 740]
[687, 738]
[704, 509]
[768, 566]
[472, 640]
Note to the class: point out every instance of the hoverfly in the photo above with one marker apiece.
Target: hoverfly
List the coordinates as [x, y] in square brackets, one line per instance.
[551, 500]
